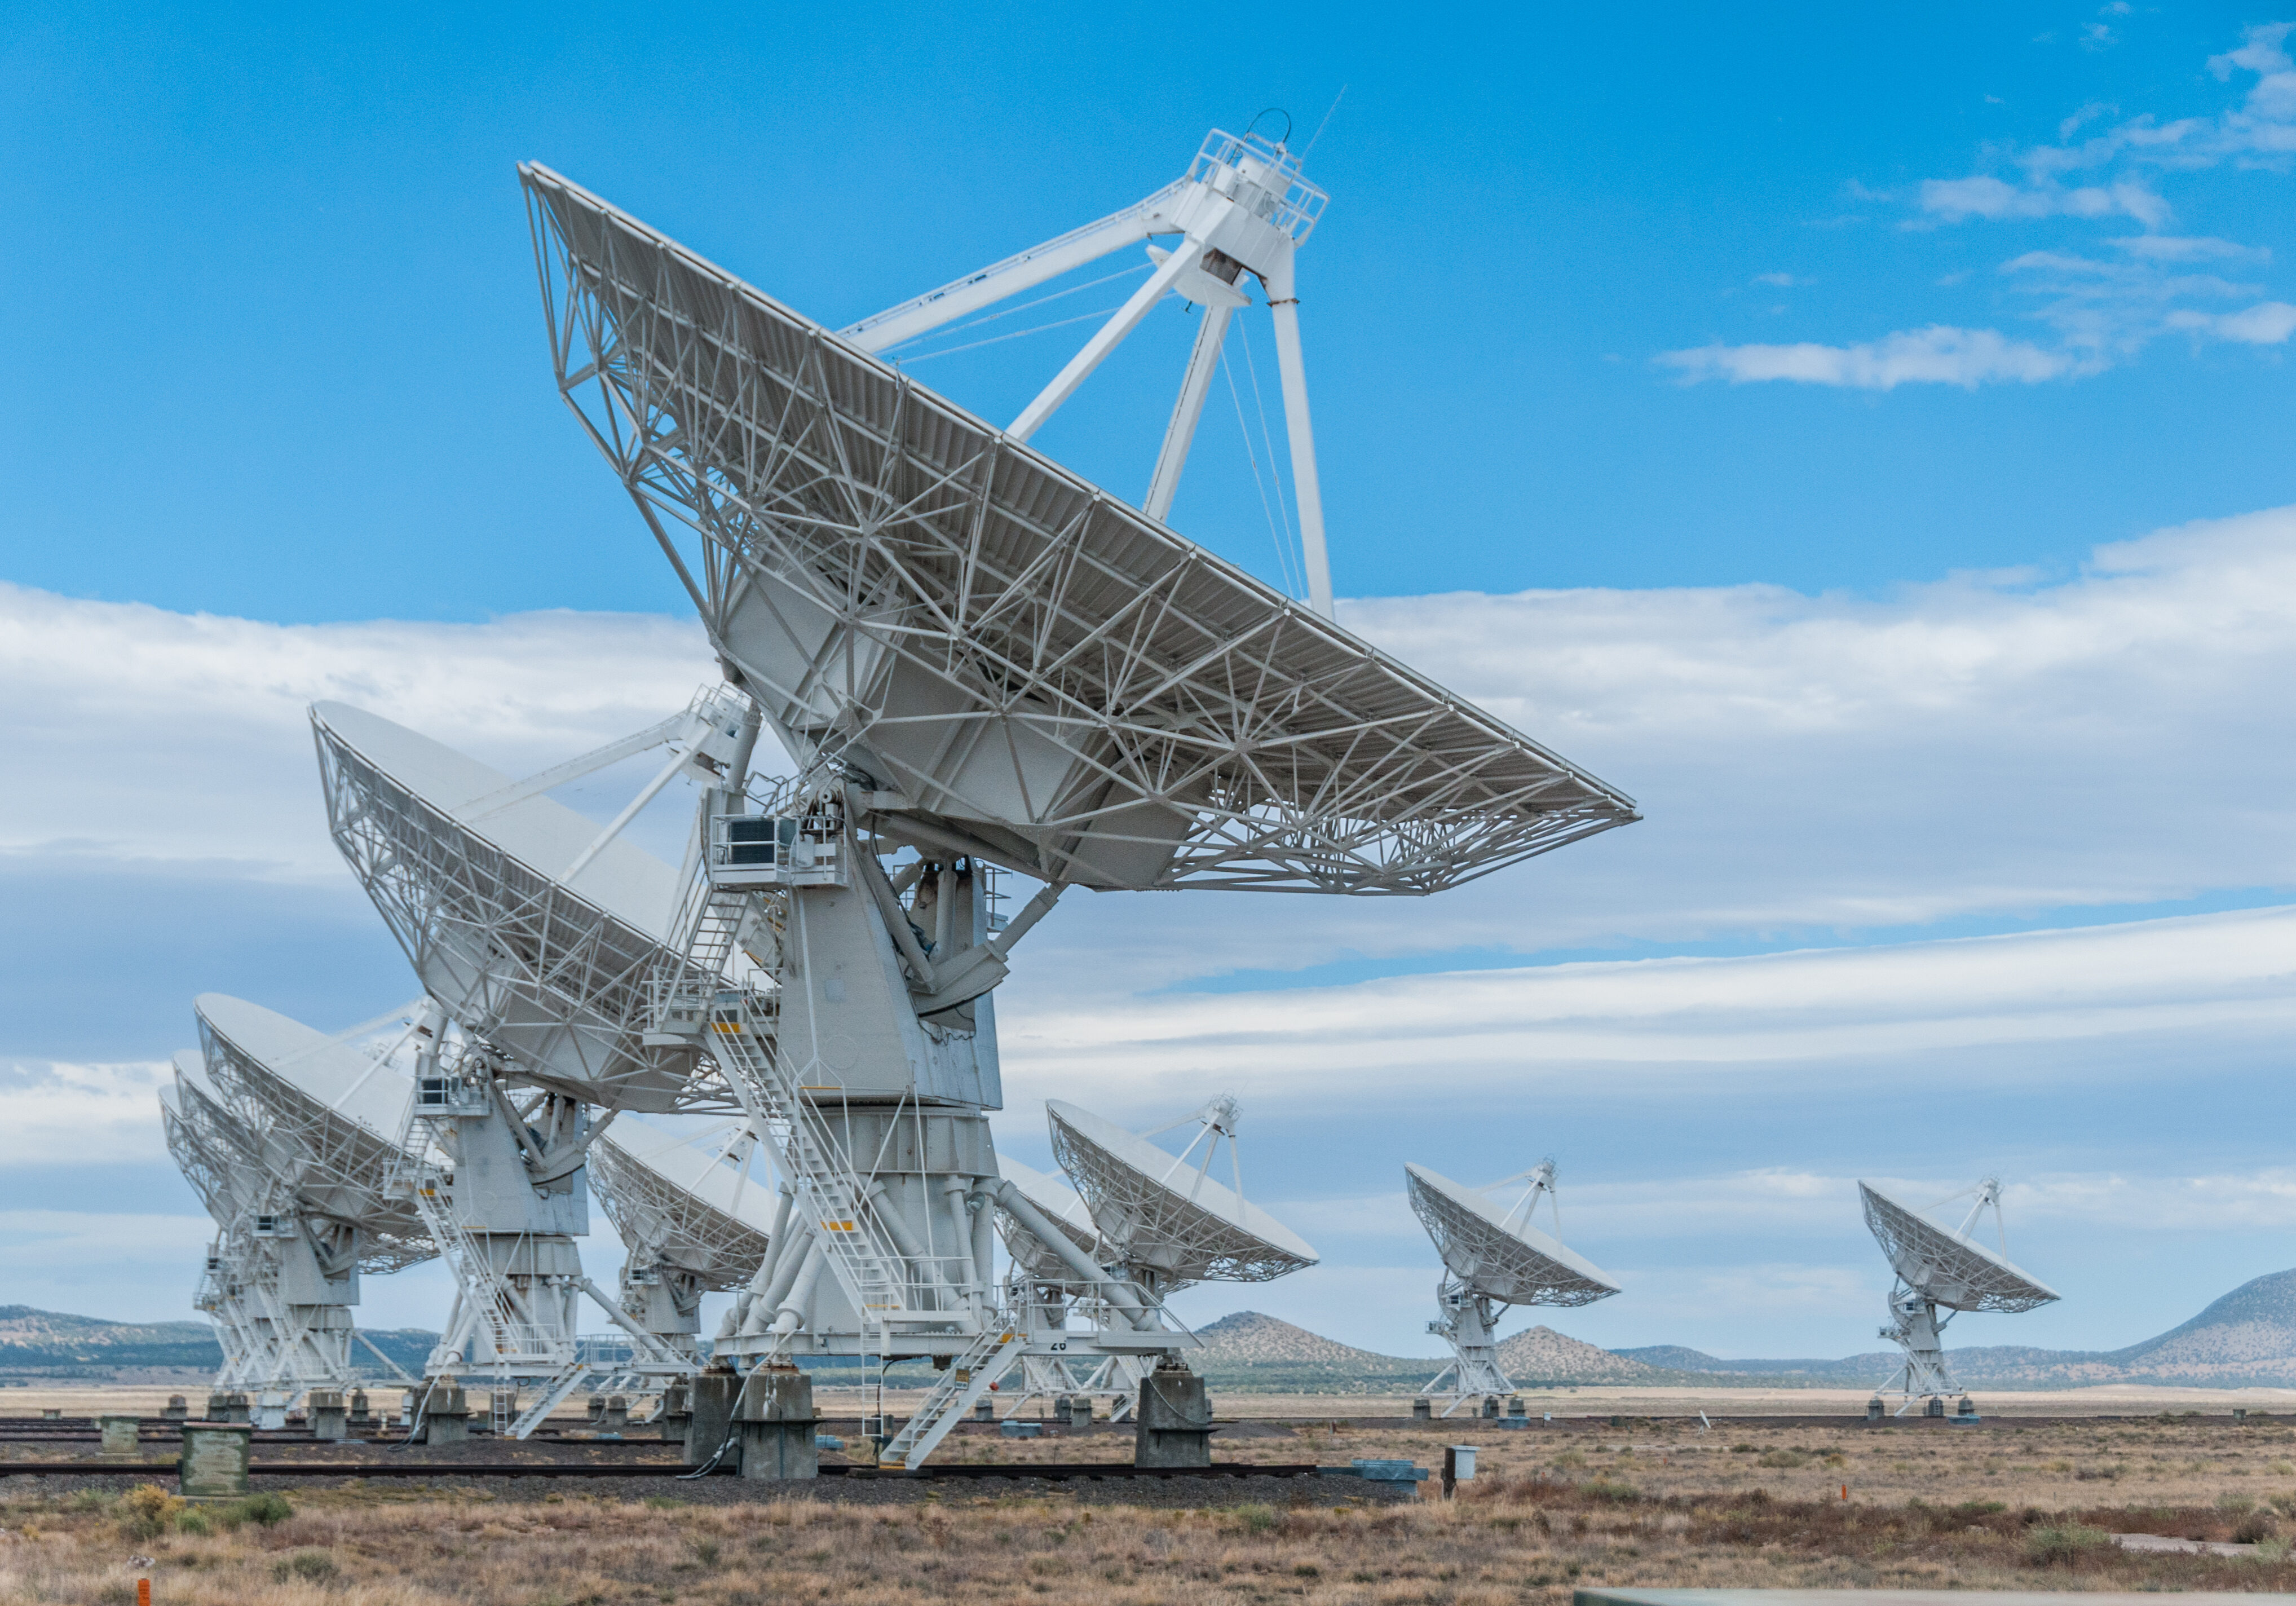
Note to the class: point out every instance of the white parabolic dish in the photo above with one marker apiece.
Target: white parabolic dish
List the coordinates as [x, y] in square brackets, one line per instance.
[1957, 1272]
[1026, 667]
[696, 1211]
[333, 1114]
[1515, 1265]
[1059, 1205]
[1159, 1213]
[201, 1140]
[553, 972]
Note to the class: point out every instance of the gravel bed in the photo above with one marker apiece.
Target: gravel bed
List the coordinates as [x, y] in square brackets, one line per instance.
[1164, 1492]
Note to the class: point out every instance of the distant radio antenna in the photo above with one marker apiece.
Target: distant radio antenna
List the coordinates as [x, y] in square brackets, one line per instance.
[1936, 1269]
[1493, 1257]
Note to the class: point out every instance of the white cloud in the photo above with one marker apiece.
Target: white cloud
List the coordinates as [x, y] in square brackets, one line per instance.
[1984, 746]
[78, 1115]
[2052, 999]
[212, 710]
[2177, 248]
[1976, 746]
[2266, 323]
[1783, 280]
[1956, 199]
[1938, 354]
[2102, 311]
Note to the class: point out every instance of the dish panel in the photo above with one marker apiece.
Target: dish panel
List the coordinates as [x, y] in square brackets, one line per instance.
[669, 1198]
[554, 973]
[1958, 1273]
[1516, 1266]
[1165, 1216]
[328, 1119]
[1027, 666]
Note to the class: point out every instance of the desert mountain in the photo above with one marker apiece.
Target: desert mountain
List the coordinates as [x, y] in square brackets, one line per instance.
[1541, 1354]
[46, 1344]
[2246, 1339]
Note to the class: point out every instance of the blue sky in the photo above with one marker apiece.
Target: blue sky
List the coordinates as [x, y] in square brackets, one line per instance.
[1774, 413]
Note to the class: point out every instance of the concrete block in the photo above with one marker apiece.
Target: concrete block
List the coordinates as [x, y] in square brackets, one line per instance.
[777, 1425]
[328, 1417]
[1174, 1420]
[117, 1435]
[446, 1417]
[710, 1421]
[213, 1463]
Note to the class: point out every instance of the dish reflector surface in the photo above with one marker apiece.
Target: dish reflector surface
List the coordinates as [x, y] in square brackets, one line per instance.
[552, 972]
[329, 1118]
[1028, 667]
[1162, 1214]
[1957, 1272]
[1515, 1264]
[697, 1212]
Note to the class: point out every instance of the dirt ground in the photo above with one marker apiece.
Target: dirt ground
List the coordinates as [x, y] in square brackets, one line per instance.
[2028, 1502]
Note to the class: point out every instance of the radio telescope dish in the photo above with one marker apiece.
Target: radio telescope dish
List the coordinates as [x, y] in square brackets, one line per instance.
[1940, 1269]
[1172, 1224]
[331, 1120]
[1059, 1205]
[1492, 1258]
[1504, 1259]
[551, 967]
[210, 1146]
[681, 1205]
[1024, 668]
[1950, 1269]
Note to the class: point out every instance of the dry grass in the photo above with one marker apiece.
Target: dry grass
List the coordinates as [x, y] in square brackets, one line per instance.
[1662, 1505]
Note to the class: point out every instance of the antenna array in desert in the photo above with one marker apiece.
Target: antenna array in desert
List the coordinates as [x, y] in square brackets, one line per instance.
[981, 664]
[1938, 1268]
[1493, 1256]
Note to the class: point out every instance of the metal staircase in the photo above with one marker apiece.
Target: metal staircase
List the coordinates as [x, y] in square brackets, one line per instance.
[494, 1311]
[869, 1270]
[989, 1357]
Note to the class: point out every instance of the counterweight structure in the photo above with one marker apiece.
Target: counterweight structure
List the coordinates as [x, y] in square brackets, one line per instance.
[981, 664]
[1493, 1257]
[1940, 1269]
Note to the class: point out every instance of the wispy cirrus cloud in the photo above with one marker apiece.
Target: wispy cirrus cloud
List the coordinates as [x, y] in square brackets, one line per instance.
[2103, 302]
[1938, 354]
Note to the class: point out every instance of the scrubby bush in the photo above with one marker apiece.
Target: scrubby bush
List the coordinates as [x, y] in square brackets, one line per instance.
[2062, 1545]
[2255, 1527]
[311, 1566]
[194, 1522]
[1782, 1458]
[146, 1510]
[263, 1509]
[1609, 1490]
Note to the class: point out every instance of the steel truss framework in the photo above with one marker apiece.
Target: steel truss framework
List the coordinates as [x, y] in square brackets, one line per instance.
[1157, 1226]
[335, 1168]
[528, 951]
[677, 1239]
[1028, 668]
[270, 1341]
